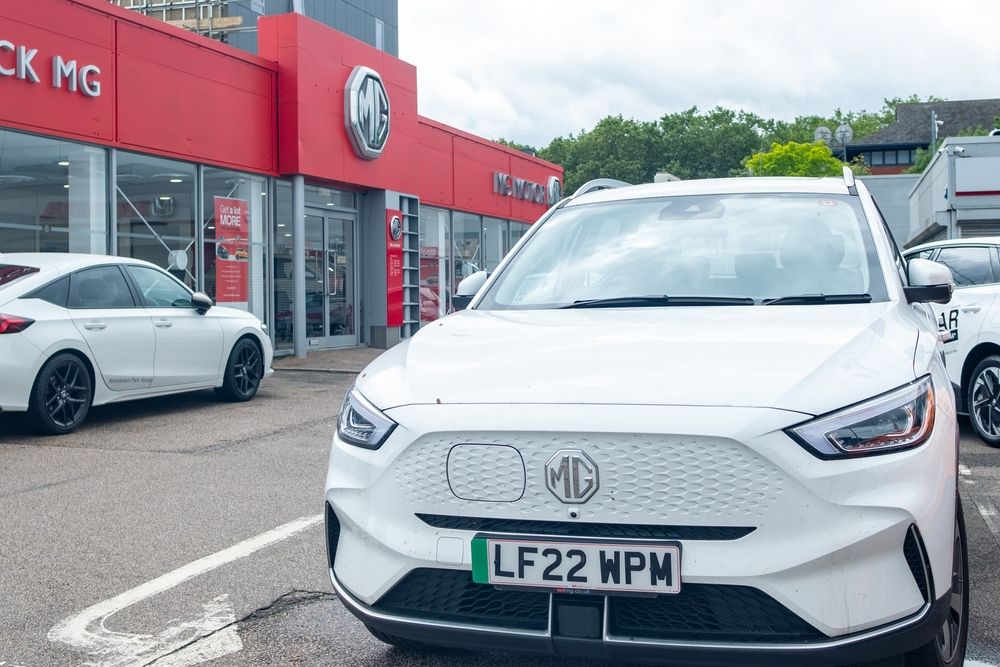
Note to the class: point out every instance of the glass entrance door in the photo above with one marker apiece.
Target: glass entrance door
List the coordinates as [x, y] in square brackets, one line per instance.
[331, 281]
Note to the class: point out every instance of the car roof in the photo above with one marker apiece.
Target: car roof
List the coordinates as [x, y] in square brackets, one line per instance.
[744, 185]
[979, 240]
[63, 260]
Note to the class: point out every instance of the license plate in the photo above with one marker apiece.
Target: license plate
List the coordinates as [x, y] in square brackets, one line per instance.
[637, 567]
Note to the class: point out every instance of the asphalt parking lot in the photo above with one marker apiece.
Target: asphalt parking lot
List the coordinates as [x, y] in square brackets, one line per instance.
[182, 531]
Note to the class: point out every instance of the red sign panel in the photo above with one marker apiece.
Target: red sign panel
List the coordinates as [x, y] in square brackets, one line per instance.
[394, 268]
[232, 250]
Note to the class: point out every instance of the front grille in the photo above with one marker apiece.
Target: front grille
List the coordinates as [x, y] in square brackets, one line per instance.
[705, 612]
[451, 595]
[913, 552]
[332, 534]
[584, 529]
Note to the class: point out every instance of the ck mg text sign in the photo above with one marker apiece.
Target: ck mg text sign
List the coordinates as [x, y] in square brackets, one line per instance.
[24, 63]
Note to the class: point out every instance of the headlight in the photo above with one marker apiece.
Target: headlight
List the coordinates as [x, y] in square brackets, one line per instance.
[900, 419]
[361, 423]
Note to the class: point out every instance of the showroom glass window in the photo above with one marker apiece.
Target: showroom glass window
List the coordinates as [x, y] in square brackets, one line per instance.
[235, 232]
[517, 230]
[53, 195]
[435, 269]
[467, 245]
[156, 213]
[494, 242]
[282, 257]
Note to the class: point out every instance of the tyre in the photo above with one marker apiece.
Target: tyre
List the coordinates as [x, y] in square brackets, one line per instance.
[984, 400]
[948, 648]
[399, 642]
[244, 370]
[61, 396]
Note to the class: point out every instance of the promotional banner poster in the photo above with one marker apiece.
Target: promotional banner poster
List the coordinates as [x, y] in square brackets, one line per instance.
[394, 268]
[232, 250]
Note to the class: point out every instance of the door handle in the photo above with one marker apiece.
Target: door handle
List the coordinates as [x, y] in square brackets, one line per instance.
[971, 308]
[95, 326]
[163, 324]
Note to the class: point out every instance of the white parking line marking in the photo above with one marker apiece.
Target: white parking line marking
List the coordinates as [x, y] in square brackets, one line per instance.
[990, 515]
[964, 470]
[87, 630]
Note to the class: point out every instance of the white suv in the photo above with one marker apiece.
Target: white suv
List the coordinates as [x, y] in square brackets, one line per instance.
[698, 421]
[970, 327]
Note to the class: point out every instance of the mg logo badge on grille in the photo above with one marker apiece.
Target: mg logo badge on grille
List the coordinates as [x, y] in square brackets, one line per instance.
[367, 112]
[572, 476]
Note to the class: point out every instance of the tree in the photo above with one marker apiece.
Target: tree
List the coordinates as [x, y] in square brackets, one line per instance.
[795, 159]
[616, 148]
[710, 144]
[524, 148]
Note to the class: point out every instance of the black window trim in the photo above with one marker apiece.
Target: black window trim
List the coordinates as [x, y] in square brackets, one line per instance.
[131, 289]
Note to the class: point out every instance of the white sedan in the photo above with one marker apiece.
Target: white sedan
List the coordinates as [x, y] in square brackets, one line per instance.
[82, 330]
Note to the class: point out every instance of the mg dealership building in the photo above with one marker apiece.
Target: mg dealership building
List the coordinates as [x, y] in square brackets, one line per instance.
[300, 183]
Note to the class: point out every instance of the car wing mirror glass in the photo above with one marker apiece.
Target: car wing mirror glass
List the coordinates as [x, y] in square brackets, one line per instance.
[468, 288]
[930, 282]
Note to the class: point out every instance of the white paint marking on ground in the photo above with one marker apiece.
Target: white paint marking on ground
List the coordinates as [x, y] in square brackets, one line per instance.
[88, 633]
[990, 515]
[964, 470]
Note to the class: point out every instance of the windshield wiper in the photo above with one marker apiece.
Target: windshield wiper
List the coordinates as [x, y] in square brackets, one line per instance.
[798, 299]
[661, 300]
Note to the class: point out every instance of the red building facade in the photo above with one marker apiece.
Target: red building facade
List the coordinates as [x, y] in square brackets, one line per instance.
[120, 134]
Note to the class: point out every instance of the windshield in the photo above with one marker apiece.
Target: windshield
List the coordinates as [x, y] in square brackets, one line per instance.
[723, 249]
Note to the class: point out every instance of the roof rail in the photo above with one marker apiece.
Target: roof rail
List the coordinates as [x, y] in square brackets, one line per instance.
[600, 184]
[849, 181]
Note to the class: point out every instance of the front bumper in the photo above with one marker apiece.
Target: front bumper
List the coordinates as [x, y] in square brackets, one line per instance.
[826, 540]
[891, 640]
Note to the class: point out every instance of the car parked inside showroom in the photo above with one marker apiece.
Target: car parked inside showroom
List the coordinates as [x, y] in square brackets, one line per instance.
[969, 326]
[82, 330]
[724, 433]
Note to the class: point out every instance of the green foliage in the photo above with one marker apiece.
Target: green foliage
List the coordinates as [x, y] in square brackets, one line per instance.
[616, 148]
[524, 148]
[696, 144]
[793, 158]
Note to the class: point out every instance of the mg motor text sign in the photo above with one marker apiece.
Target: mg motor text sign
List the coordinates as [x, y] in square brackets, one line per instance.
[22, 62]
[521, 188]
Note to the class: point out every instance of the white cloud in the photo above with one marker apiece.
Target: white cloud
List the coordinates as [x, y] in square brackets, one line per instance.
[533, 70]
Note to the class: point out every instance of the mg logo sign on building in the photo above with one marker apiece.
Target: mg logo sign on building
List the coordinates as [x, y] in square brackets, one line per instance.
[572, 476]
[367, 112]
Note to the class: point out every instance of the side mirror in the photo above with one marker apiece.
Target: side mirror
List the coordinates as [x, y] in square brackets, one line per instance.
[468, 288]
[201, 301]
[930, 282]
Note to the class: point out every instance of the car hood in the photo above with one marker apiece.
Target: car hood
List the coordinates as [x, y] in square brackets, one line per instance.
[809, 359]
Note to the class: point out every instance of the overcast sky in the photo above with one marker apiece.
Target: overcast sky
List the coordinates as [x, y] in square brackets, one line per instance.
[532, 70]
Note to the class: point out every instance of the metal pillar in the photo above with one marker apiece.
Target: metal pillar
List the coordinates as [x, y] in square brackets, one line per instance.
[299, 265]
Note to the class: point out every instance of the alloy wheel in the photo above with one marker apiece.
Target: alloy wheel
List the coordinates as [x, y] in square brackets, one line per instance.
[950, 634]
[986, 401]
[66, 393]
[247, 370]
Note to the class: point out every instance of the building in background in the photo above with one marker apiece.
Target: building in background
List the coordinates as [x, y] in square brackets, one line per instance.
[892, 150]
[892, 194]
[234, 22]
[300, 184]
[958, 195]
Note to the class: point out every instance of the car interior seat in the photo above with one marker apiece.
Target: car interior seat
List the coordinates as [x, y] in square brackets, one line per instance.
[756, 274]
[810, 256]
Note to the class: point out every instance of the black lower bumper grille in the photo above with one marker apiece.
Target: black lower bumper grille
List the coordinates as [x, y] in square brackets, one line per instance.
[705, 612]
[451, 595]
[332, 535]
[913, 552]
[700, 612]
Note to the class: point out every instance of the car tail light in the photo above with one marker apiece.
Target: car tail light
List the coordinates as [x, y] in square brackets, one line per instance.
[14, 324]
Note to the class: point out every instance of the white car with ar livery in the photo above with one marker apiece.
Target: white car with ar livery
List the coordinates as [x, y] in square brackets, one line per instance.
[970, 327]
[697, 422]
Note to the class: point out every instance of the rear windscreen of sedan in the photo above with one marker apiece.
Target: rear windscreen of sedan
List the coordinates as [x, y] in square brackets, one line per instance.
[761, 246]
[9, 273]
